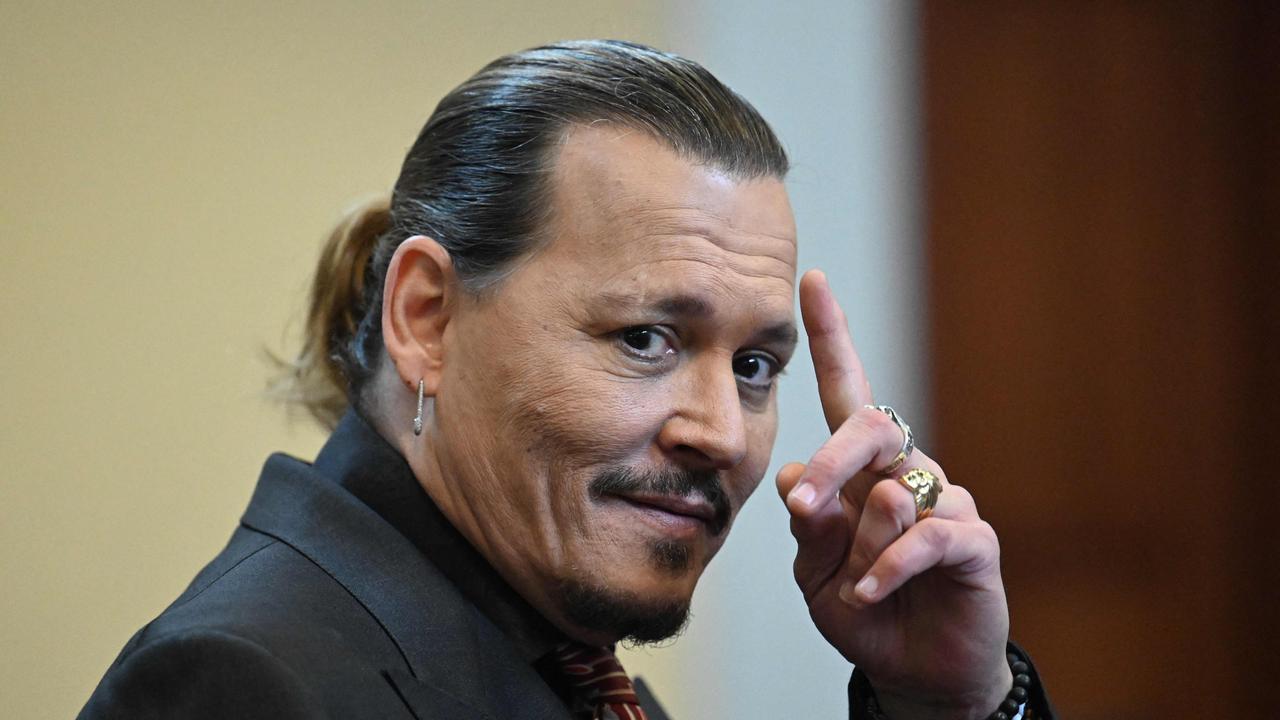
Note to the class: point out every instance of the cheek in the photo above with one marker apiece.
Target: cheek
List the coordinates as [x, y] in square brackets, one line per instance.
[568, 426]
[583, 414]
[761, 431]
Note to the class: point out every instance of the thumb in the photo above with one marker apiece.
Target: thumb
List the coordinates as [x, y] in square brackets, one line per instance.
[788, 476]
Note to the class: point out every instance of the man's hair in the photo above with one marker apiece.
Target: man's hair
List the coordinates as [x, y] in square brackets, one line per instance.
[476, 181]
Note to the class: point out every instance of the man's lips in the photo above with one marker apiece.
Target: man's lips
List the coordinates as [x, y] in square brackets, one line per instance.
[691, 506]
[673, 500]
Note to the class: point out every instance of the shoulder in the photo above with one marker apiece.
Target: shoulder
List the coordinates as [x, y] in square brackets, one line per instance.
[265, 591]
[262, 631]
[260, 587]
[201, 673]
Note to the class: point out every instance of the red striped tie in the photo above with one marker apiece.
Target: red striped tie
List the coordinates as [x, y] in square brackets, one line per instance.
[599, 678]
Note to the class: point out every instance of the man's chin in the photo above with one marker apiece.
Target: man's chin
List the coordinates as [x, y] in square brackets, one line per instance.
[611, 614]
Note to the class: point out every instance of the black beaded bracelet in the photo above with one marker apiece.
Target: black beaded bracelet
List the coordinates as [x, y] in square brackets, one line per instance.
[860, 686]
[1018, 695]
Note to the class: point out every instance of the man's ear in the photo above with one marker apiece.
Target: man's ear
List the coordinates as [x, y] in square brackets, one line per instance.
[416, 303]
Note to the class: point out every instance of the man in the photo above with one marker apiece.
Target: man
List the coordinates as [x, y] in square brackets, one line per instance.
[559, 344]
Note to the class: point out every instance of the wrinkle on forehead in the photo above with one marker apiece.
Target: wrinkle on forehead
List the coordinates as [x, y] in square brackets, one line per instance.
[724, 216]
[692, 271]
[626, 198]
[740, 254]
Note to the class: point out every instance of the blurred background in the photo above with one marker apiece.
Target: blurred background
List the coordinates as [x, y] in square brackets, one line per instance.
[1053, 226]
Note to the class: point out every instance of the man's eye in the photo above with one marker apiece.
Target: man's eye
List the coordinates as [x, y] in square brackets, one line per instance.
[647, 342]
[755, 369]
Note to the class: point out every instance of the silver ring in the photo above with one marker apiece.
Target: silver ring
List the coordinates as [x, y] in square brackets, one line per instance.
[908, 440]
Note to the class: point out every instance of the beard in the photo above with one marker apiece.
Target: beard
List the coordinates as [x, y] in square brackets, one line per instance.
[623, 614]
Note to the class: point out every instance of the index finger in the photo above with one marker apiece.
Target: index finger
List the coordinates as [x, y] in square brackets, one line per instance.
[842, 383]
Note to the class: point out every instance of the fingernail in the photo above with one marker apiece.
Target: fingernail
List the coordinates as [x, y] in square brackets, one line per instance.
[866, 588]
[846, 594]
[804, 494]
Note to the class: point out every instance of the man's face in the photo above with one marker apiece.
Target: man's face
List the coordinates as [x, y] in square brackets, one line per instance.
[604, 413]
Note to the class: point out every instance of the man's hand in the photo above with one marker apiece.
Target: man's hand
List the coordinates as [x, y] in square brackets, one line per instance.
[917, 606]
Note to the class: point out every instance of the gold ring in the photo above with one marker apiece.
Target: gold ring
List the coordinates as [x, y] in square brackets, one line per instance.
[908, 440]
[925, 487]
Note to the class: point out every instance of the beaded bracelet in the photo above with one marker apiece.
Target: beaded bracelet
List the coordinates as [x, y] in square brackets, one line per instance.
[1018, 694]
[1008, 709]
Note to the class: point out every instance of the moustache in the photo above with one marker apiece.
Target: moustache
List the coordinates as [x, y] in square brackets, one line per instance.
[678, 482]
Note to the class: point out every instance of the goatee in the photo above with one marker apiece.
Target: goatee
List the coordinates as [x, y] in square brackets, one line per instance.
[624, 615]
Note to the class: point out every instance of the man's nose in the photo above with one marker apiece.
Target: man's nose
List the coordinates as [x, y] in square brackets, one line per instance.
[707, 428]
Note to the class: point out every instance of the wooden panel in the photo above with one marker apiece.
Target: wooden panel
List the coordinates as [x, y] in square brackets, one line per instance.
[1102, 242]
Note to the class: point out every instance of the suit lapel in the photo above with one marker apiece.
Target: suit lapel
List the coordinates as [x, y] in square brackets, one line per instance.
[650, 704]
[454, 657]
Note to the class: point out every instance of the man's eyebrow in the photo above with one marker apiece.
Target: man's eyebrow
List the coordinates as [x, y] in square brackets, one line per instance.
[680, 305]
[783, 333]
[684, 305]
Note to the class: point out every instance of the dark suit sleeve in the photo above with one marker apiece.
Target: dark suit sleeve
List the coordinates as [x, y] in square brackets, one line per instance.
[862, 704]
[200, 674]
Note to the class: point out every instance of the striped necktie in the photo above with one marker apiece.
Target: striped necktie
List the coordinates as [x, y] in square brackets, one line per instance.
[598, 677]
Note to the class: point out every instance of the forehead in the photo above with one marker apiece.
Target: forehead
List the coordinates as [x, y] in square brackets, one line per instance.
[637, 219]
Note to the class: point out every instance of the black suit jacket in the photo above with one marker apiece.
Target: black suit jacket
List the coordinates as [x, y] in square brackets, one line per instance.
[319, 608]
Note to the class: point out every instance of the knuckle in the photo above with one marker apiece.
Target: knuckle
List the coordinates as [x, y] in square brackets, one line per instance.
[826, 366]
[887, 497]
[988, 533]
[934, 532]
[875, 421]
[962, 497]
[870, 428]
[825, 464]
[891, 562]
[883, 432]
[987, 547]
[863, 555]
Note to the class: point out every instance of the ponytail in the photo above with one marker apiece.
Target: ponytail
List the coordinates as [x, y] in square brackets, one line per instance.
[340, 292]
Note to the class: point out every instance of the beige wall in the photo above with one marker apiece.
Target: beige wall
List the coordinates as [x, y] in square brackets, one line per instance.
[166, 173]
